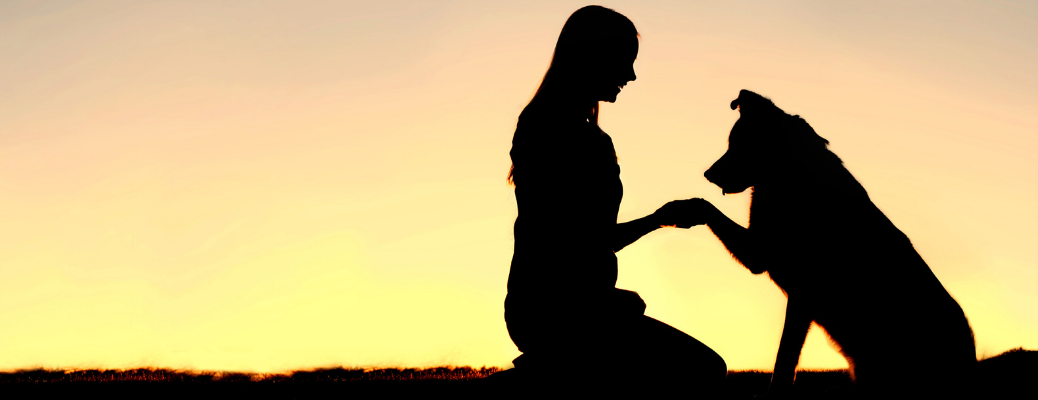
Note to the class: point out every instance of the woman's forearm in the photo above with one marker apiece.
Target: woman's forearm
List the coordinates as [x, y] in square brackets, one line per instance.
[630, 231]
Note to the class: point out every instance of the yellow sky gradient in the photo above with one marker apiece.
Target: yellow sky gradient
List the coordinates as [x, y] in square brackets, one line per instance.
[265, 186]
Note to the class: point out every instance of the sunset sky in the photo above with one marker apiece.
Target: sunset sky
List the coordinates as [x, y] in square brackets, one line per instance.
[277, 185]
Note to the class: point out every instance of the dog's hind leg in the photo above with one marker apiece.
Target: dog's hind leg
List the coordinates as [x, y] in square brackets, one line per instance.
[794, 332]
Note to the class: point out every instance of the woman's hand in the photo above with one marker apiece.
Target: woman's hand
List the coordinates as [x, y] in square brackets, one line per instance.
[685, 213]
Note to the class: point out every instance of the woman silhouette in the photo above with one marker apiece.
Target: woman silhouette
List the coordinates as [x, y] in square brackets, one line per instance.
[563, 310]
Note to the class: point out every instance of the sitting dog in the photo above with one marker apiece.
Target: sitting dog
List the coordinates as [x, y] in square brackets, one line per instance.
[841, 263]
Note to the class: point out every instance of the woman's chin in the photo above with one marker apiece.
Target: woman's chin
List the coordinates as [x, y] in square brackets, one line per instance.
[609, 95]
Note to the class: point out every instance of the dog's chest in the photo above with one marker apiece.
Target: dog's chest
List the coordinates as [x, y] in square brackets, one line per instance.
[767, 216]
[782, 235]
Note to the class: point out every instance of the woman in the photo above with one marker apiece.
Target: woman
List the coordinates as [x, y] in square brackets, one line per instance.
[563, 310]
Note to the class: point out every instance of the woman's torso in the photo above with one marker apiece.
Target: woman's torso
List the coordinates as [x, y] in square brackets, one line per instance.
[568, 192]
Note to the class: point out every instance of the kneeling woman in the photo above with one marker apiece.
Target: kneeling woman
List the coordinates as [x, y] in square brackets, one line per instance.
[563, 310]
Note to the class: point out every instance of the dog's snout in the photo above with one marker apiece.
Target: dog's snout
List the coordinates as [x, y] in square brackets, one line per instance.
[711, 173]
[728, 174]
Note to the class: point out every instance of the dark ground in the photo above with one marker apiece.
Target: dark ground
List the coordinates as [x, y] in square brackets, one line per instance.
[1010, 375]
[326, 383]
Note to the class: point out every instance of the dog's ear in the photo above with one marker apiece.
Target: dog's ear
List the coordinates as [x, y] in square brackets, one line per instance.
[750, 101]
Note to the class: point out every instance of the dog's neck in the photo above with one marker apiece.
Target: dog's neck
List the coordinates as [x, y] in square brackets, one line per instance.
[806, 188]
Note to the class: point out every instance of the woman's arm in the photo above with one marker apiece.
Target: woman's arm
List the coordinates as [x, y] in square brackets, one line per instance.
[630, 231]
[672, 214]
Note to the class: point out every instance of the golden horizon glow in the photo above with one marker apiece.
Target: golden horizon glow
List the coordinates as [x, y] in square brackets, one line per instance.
[282, 186]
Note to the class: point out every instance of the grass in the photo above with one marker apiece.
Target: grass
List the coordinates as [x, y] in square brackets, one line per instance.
[148, 383]
[1008, 373]
[462, 382]
[326, 375]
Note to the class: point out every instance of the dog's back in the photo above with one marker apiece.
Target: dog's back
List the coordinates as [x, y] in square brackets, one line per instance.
[827, 244]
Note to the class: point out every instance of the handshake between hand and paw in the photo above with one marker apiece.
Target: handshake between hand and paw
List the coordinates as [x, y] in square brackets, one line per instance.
[685, 213]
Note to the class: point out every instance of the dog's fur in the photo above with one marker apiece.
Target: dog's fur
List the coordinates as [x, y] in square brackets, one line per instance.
[840, 261]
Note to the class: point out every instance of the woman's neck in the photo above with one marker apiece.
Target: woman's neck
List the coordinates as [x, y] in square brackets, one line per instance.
[568, 104]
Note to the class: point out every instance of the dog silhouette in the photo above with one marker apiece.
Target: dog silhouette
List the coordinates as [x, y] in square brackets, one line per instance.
[841, 263]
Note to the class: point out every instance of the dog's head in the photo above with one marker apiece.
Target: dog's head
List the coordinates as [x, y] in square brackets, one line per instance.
[764, 142]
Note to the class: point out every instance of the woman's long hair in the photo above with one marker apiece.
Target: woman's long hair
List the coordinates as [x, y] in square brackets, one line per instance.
[588, 35]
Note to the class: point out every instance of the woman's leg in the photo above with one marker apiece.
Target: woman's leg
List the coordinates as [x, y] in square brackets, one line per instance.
[682, 352]
[608, 353]
[656, 357]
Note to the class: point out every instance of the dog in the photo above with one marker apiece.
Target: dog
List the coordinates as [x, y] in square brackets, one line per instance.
[841, 263]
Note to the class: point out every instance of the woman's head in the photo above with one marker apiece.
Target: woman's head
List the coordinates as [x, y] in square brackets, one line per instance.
[593, 60]
[594, 57]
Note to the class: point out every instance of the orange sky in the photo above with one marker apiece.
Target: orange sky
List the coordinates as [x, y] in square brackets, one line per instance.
[271, 186]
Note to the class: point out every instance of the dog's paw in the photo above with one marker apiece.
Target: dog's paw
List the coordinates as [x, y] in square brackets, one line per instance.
[685, 213]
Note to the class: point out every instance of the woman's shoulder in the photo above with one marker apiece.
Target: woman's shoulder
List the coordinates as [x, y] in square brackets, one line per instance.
[544, 128]
[540, 118]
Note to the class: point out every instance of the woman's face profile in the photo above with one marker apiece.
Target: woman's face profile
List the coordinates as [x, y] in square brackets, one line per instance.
[614, 72]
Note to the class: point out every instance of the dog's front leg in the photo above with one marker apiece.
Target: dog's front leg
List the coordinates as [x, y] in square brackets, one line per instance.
[738, 240]
[794, 332]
